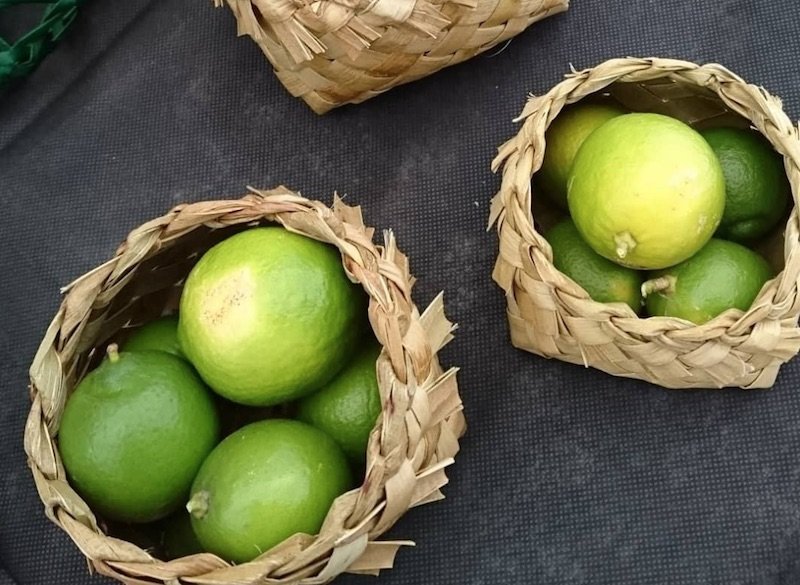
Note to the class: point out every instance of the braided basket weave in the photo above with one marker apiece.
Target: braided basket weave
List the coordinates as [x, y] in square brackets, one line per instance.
[334, 52]
[20, 58]
[551, 316]
[413, 442]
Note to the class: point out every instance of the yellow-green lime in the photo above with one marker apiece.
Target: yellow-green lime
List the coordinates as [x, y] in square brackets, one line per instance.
[721, 276]
[756, 187]
[158, 335]
[268, 316]
[563, 139]
[348, 406]
[264, 483]
[646, 191]
[605, 281]
[134, 434]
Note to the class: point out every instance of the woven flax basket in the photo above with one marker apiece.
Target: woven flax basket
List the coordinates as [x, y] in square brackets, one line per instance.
[334, 52]
[551, 316]
[414, 440]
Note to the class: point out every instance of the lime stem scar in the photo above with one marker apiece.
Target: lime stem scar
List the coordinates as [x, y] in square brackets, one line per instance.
[625, 244]
[198, 504]
[665, 284]
[112, 351]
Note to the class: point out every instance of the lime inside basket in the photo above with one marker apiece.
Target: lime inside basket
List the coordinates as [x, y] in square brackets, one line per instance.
[20, 58]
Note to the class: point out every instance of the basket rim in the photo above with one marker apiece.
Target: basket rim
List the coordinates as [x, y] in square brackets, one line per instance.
[598, 78]
[406, 460]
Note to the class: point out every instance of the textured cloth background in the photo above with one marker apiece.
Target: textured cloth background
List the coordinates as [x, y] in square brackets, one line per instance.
[567, 476]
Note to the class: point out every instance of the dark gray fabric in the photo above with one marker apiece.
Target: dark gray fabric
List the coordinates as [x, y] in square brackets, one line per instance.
[567, 476]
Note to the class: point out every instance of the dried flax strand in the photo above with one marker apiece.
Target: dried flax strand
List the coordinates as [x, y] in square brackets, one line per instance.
[335, 52]
[551, 316]
[414, 441]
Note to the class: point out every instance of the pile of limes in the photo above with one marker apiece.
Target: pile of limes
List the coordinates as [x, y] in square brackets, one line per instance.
[663, 217]
[234, 424]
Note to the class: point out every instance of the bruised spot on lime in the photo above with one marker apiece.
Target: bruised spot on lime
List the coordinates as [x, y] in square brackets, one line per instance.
[268, 316]
[226, 302]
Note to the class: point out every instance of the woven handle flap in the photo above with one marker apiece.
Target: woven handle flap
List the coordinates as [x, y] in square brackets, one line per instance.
[306, 28]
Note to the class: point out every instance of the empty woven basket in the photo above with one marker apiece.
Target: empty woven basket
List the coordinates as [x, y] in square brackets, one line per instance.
[414, 440]
[550, 315]
[334, 52]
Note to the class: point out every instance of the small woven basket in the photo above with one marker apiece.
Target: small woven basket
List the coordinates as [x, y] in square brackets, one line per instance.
[334, 52]
[413, 442]
[551, 316]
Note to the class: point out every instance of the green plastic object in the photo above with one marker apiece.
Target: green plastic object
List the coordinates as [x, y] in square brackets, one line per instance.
[19, 59]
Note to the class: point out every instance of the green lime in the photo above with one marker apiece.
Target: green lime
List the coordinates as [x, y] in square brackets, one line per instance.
[179, 539]
[646, 191]
[563, 139]
[605, 281]
[158, 335]
[268, 316]
[348, 406]
[264, 483]
[721, 276]
[134, 434]
[756, 188]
